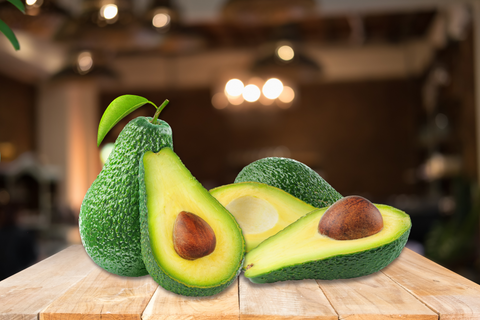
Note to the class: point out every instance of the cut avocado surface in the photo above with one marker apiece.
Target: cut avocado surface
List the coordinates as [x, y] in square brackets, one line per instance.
[109, 216]
[260, 209]
[169, 192]
[293, 177]
[301, 252]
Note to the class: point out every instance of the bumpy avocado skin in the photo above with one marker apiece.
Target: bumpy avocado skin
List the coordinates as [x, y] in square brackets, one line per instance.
[340, 267]
[293, 177]
[109, 216]
[155, 271]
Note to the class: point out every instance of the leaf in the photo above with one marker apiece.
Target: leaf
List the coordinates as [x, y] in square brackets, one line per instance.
[9, 34]
[116, 111]
[18, 4]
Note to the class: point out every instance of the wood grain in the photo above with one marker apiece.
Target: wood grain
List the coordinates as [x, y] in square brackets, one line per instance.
[166, 305]
[373, 297]
[102, 295]
[284, 300]
[25, 294]
[449, 294]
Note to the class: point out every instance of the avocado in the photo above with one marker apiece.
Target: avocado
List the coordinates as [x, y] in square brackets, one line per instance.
[191, 244]
[293, 177]
[260, 209]
[109, 216]
[300, 251]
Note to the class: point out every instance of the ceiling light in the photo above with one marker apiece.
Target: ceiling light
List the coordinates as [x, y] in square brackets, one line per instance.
[234, 87]
[287, 95]
[272, 88]
[84, 62]
[285, 53]
[251, 93]
[236, 101]
[109, 11]
[161, 20]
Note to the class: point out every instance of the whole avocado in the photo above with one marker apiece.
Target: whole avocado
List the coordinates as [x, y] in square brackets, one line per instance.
[293, 177]
[109, 215]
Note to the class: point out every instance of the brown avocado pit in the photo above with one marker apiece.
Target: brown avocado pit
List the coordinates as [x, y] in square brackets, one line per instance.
[350, 218]
[193, 237]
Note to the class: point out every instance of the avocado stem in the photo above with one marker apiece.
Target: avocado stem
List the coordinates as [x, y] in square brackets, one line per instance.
[159, 109]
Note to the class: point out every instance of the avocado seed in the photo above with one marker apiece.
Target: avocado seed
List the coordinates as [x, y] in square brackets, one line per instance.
[349, 218]
[193, 237]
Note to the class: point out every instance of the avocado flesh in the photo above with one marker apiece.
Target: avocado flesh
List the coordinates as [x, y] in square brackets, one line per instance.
[109, 216]
[260, 209]
[293, 177]
[166, 189]
[300, 252]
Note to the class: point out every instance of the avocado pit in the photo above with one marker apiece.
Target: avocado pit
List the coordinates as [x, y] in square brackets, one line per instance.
[193, 237]
[350, 218]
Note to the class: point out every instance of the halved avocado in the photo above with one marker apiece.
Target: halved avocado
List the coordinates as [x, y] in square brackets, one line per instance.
[260, 209]
[168, 194]
[301, 252]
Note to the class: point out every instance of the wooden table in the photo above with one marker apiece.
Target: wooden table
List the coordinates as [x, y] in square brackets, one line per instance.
[69, 285]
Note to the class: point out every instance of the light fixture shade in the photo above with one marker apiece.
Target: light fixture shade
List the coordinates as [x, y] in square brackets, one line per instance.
[300, 68]
[95, 65]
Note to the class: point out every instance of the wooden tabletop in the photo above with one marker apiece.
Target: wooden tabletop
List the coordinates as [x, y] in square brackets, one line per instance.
[69, 285]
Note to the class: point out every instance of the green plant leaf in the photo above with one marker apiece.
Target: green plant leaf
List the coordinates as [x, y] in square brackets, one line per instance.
[18, 4]
[9, 34]
[116, 111]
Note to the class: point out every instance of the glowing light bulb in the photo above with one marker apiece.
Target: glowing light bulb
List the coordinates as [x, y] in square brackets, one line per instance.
[251, 93]
[272, 88]
[287, 95]
[285, 53]
[84, 62]
[161, 20]
[234, 88]
[109, 11]
[236, 101]
[30, 2]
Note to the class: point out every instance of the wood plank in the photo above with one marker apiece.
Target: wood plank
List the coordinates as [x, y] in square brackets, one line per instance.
[166, 305]
[284, 300]
[373, 297]
[25, 294]
[102, 295]
[449, 294]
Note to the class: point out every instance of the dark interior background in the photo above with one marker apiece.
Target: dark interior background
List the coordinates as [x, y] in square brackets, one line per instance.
[370, 137]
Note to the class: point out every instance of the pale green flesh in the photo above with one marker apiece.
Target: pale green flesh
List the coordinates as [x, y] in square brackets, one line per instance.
[260, 209]
[172, 191]
[301, 242]
[254, 215]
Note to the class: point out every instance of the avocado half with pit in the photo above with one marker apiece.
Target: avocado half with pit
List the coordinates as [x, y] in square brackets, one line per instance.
[260, 210]
[300, 251]
[191, 245]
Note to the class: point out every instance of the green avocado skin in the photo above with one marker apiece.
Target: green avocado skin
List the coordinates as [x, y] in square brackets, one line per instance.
[109, 216]
[155, 271]
[340, 267]
[293, 177]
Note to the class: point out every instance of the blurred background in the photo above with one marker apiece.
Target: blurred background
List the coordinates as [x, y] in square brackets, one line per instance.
[380, 97]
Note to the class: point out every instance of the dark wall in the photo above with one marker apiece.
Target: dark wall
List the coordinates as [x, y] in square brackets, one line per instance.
[457, 101]
[17, 115]
[360, 136]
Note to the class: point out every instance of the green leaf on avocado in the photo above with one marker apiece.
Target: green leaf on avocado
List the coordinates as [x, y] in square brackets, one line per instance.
[117, 110]
[9, 34]
[18, 4]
